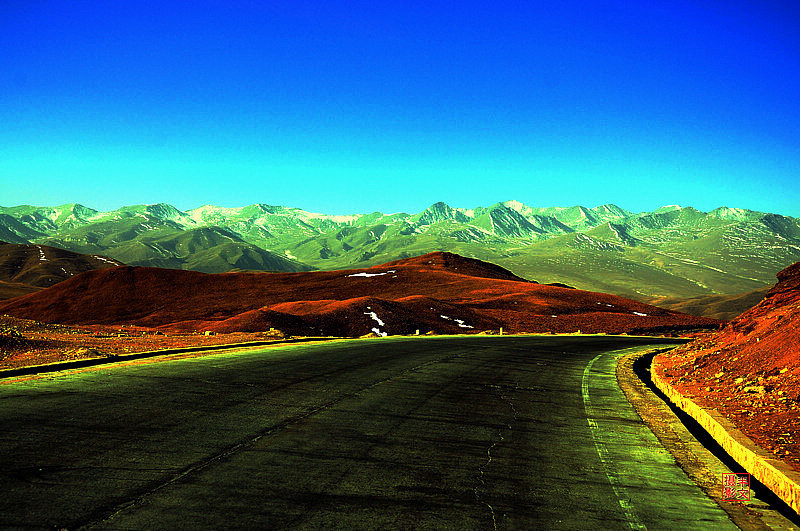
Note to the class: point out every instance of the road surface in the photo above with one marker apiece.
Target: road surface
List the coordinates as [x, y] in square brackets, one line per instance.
[460, 432]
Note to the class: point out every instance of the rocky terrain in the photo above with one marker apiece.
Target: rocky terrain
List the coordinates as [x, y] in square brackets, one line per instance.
[668, 255]
[24, 342]
[750, 369]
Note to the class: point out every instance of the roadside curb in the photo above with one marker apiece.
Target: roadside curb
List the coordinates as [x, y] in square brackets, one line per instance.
[116, 358]
[689, 453]
[773, 473]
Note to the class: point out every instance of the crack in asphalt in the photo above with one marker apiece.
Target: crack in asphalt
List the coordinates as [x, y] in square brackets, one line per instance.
[482, 482]
[499, 440]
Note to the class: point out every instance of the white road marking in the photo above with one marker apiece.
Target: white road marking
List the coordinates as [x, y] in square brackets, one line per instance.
[602, 452]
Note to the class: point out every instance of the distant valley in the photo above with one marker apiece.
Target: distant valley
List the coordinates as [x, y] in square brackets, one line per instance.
[671, 254]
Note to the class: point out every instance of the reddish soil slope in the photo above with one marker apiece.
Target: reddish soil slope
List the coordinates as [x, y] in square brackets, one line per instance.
[41, 343]
[750, 370]
[439, 292]
[27, 268]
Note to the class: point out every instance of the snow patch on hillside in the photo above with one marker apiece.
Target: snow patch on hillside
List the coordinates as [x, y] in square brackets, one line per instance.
[378, 320]
[366, 275]
[102, 259]
[459, 322]
[375, 318]
[584, 241]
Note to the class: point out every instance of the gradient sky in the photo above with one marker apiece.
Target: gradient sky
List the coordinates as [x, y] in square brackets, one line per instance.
[391, 106]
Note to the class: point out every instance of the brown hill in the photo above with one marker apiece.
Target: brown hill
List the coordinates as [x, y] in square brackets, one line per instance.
[27, 268]
[724, 307]
[765, 337]
[440, 292]
[750, 369]
[455, 262]
[9, 290]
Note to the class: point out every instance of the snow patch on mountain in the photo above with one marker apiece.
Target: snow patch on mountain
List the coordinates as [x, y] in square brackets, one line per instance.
[518, 206]
[459, 322]
[374, 317]
[347, 220]
[103, 259]
[206, 213]
[587, 242]
[367, 275]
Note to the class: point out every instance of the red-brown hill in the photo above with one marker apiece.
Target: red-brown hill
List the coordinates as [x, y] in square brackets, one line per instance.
[763, 338]
[26, 268]
[440, 292]
[455, 262]
[750, 369]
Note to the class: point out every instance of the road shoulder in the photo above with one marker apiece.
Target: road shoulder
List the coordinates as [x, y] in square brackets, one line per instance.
[701, 464]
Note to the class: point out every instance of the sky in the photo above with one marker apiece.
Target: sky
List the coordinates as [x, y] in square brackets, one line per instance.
[358, 107]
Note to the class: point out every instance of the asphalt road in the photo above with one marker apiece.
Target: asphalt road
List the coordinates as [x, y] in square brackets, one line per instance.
[460, 433]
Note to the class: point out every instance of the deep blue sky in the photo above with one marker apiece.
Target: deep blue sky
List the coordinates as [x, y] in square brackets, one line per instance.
[391, 106]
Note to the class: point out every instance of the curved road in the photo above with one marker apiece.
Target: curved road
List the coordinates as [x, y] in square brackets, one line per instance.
[463, 433]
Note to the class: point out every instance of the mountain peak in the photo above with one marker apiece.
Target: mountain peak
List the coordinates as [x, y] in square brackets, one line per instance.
[667, 208]
[513, 204]
[441, 211]
[77, 209]
[610, 208]
[164, 211]
[738, 214]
